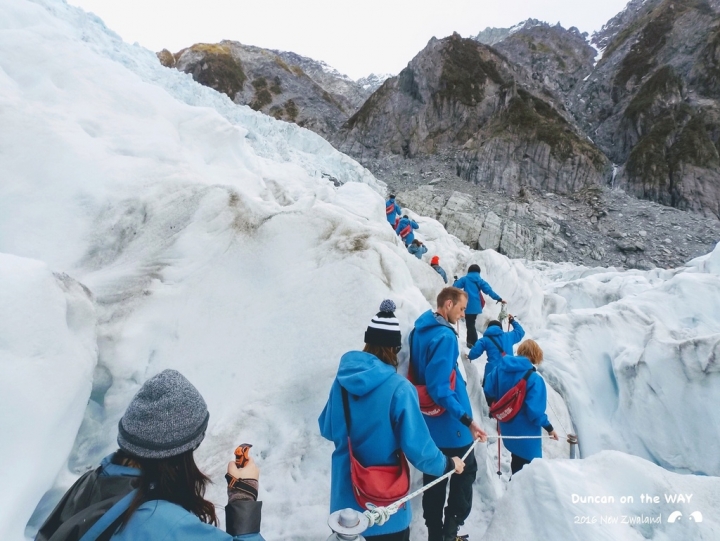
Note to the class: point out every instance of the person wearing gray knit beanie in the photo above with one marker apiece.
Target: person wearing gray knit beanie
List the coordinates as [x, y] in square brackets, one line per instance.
[152, 487]
[167, 417]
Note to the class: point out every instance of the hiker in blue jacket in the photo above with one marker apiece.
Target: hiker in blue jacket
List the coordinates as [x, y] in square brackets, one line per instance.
[497, 343]
[417, 248]
[392, 210]
[151, 488]
[385, 418]
[531, 418]
[405, 229]
[434, 356]
[473, 285]
[435, 264]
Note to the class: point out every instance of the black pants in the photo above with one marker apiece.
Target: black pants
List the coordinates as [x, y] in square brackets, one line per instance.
[397, 536]
[459, 501]
[472, 335]
[517, 463]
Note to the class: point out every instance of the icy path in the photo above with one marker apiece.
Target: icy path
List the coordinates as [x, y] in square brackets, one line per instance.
[209, 242]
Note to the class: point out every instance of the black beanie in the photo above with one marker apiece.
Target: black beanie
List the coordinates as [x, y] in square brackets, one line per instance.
[494, 323]
[384, 328]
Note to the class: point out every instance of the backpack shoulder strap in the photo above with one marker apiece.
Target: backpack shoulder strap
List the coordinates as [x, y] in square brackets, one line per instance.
[492, 339]
[346, 408]
[110, 518]
[528, 373]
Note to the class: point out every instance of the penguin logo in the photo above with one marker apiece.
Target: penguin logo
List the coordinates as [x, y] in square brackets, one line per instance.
[676, 515]
[696, 516]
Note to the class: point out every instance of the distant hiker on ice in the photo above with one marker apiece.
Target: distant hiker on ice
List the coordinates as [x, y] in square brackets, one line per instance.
[531, 417]
[435, 363]
[474, 286]
[392, 211]
[435, 264]
[497, 343]
[405, 229]
[151, 487]
[375, 411]
[417, 248]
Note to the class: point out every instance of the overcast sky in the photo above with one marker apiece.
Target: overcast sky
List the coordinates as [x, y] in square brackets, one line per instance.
[356, 37]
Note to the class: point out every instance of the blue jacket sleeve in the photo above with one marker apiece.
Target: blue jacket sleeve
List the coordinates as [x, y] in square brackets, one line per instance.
[442, 273]
[536, 401]
[485, 288]
[187, 526]
[437, 375]
[490, 388]
[412, 249]
[477, 350]
[460, 283]
[412, 432]
[414, 224]
[517, 333]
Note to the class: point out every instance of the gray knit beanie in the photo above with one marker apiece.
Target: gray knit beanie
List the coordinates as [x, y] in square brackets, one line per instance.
[167, 417]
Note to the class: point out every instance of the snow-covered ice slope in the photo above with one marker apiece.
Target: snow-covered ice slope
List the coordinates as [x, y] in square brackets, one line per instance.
[47, 356]
[212, 244]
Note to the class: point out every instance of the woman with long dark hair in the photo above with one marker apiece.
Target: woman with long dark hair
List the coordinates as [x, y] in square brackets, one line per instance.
[381, 410]
[151, 487]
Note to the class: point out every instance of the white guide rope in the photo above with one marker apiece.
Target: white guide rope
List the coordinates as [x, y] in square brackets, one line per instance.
[380, 515]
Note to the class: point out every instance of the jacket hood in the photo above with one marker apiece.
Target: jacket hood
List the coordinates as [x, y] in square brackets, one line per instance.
[430, 319]
[513, 363]
[360, 372]
[493, 331]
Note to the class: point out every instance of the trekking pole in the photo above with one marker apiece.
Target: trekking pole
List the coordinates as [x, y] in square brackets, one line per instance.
[498, 431]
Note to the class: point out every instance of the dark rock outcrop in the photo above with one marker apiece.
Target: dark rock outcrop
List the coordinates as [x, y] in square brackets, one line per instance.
[554, 56]
[652, 102]
[460, 94]
[273, 82]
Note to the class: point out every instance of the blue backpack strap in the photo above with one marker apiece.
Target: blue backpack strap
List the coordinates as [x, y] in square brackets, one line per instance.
[107, 520]
[492, 339]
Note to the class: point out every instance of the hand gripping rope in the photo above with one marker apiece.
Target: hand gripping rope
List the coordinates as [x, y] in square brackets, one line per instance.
[380, 515]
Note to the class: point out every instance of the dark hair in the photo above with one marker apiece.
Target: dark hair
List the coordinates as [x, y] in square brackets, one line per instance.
[405, 215]
[416, 242]
[474, 268]
[387, 354]
[176, 479]
[450, 294]
[494, 323]
[392, 196]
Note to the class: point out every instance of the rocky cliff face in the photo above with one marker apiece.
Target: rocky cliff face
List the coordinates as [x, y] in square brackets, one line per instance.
[554, 56]
[593, 227]
[652, 102]
[460, 94]
[284, 85]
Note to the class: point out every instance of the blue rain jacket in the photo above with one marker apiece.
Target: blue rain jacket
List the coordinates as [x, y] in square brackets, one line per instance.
[417, 251]
[472, 284]
[404, 222]
[531, 418]
[486, 345]
[434, 354]
[161, 519]
[440, 271]
[385, 416]
[392, 211]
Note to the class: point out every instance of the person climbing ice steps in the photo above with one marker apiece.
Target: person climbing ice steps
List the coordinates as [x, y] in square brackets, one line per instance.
[405, 229]
[497, 343]
[474, 286]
